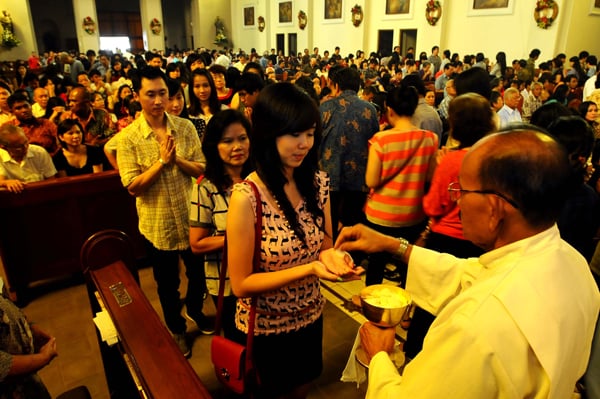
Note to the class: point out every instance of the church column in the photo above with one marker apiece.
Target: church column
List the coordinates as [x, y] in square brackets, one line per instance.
[86, 25]
[152, 24]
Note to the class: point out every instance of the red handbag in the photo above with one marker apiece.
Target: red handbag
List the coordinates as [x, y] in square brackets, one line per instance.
[233, 363]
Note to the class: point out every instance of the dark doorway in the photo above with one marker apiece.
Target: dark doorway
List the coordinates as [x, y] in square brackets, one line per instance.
[292, 43]
[385, 42]
[280, 43]
[408, 39]
[54, 24]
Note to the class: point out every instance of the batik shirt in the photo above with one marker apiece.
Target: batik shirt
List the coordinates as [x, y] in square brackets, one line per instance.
[348, 124]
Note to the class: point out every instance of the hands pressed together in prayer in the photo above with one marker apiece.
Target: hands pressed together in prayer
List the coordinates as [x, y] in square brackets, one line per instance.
[167, 150]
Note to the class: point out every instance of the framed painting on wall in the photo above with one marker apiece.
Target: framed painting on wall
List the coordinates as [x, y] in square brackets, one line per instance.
[595, 7]
[249, 16]
[285, 12]
[333, 11]
[490, 7]
[398, 9]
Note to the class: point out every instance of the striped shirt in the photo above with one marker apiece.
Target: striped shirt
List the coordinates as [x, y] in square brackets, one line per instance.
[405, 158]
[163, 209]
[208, 209]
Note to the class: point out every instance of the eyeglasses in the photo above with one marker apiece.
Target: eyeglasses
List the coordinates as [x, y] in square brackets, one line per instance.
[456, 191]
[16, 146]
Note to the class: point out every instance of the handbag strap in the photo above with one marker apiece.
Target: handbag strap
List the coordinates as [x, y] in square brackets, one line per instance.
[255, 269]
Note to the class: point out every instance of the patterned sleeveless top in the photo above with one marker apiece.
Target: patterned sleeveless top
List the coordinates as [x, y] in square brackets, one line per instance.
[300, 303]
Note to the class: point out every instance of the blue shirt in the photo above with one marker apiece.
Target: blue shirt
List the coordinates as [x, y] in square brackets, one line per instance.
[348, 124]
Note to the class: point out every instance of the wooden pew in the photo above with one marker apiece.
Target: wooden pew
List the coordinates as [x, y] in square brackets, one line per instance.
[42, 228]
[154, 360]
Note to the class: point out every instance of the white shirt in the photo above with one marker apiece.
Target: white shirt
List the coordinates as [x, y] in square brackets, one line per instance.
[589, 87]
[508, 115]
[517, 322]
[36, 166]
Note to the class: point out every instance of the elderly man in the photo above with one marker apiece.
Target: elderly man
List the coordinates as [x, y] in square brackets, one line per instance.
[509, 113]
[39, 131]
[518, 321]
[21, 163]
[40, 101]
[74, 65]
[158, 156]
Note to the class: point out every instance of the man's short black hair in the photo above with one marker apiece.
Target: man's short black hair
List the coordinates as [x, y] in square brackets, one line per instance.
[592, 60]
[17, 97]
[149, 73]
[415, 81]
[347, 79]
[250, 82]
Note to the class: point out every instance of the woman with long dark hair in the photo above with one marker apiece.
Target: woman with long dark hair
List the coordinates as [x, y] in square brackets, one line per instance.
[499, 68]
[204, 100]
[296, 248]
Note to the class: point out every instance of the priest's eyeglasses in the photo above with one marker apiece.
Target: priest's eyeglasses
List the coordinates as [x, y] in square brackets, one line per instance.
[456, 191]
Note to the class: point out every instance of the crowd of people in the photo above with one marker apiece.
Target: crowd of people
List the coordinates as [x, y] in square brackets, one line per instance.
[486, 171]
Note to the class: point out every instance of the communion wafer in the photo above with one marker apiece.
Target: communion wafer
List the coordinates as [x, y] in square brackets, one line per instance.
[386, 298]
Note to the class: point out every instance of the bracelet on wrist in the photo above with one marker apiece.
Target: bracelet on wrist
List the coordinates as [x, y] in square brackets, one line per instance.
[163, 163]
[402, 248]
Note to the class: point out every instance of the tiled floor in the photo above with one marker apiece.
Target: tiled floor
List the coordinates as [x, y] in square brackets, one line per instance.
[64, 312]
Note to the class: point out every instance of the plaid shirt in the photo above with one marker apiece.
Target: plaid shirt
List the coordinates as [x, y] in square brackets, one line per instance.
[163, 209]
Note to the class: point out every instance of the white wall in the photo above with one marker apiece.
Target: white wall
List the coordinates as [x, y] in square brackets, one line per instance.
[515, 33]
[204, 14]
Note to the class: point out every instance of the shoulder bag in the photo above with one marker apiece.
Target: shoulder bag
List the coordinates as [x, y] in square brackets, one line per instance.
[233, 362]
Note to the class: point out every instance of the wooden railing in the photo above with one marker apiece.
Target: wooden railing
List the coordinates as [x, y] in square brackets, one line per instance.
[156, 364]
[42, 228]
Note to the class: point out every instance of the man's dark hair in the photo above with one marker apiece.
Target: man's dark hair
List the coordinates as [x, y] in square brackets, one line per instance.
[5, 86]
[545, 115]
[592, 60]
[149, 55]
[415, 81]
[253, 65]
[447, 53]
[17, 97]
[544, 66]
[403, 100]
[473, 80]
[347, 79]
[149, 73]
[479, 57]
[494, 96]
[250, 82]
[577, 136]
[435, 48]
[534, 53]
[30, 77]
[536, 179]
